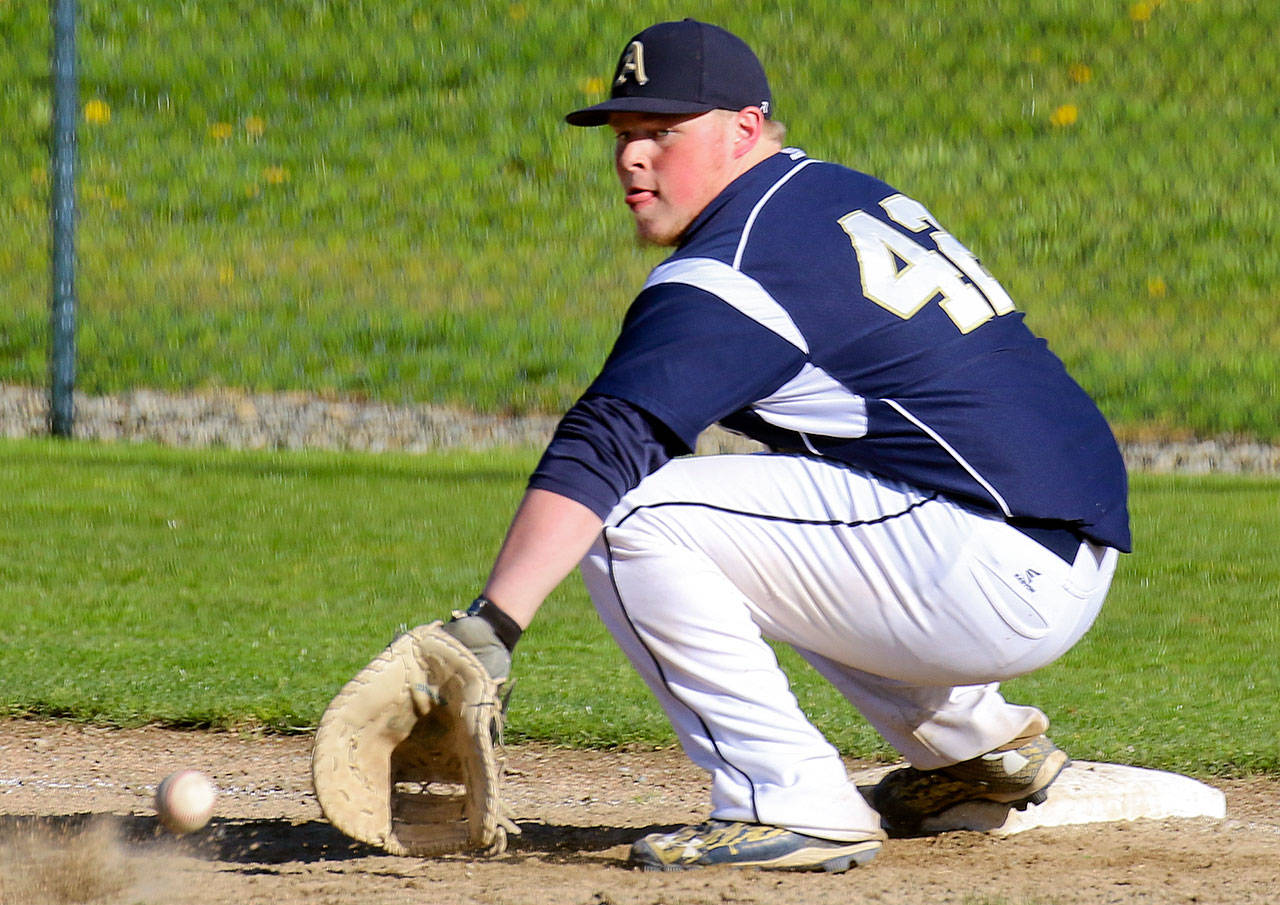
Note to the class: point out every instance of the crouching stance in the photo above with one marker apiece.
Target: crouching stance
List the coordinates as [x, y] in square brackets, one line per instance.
[942, 507]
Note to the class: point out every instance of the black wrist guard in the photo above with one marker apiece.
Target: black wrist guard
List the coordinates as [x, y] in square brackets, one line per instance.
[506, 628]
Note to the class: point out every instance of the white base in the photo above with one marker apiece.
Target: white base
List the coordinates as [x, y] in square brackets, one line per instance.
[1084, 792]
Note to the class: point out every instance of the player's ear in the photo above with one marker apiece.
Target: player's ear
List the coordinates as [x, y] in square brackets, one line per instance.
[748, 127]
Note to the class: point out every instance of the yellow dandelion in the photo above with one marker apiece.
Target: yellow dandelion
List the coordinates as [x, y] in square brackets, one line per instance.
[220, 131]
[1080, 73]
[593, 85]
[97, 112]
[1156, 287]
[255, 126]
[275, 175]
[1141, 11]
[518, 12]
[1066, 115]
[226, 274]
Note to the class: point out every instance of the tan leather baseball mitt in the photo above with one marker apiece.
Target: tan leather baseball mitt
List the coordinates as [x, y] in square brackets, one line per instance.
[406, 757]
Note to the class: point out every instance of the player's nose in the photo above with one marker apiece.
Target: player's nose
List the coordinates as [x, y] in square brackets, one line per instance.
[629, 154]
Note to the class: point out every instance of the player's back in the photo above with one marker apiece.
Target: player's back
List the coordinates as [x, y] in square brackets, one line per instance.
[947, 387]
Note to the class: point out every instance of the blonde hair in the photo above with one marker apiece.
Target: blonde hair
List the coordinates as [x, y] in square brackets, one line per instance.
[772, 130]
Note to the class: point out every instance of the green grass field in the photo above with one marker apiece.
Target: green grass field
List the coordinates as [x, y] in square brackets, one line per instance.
[238, 589]
[380, 199]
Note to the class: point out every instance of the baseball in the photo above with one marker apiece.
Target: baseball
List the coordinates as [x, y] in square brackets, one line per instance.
[184, 801]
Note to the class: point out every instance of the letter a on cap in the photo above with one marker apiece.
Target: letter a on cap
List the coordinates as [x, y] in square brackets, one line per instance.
[633, 64]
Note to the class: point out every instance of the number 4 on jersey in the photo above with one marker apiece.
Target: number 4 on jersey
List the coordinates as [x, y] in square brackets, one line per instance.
[901, 275]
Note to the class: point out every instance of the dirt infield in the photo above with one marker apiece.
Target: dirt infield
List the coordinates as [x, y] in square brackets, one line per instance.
[76, 825]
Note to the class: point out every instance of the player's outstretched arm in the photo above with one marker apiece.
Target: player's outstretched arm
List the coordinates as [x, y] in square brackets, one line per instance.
[548, 537]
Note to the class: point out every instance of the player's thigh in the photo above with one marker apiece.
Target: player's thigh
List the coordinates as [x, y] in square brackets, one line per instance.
[784, 489]
[872, 573]
[806, 545]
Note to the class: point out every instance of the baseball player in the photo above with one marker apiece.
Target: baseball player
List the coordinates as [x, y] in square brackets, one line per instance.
[942, 508]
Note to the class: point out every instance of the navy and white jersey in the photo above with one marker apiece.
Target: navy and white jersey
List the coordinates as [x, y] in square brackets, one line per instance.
[818, 310]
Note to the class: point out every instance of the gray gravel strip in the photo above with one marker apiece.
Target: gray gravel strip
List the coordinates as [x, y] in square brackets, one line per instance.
[236, 420]
[269, 421]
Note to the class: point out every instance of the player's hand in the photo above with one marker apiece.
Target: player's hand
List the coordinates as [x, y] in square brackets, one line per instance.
[479, 637]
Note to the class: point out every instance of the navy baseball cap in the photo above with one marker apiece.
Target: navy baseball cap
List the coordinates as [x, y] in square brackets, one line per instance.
[682, 67]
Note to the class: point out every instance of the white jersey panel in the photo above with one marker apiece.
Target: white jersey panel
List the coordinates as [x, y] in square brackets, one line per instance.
[733, 287]
[814, 402]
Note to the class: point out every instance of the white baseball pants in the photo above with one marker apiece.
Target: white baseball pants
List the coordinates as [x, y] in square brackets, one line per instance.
[912, 606]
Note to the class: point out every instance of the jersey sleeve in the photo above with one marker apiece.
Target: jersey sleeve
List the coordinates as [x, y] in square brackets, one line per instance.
[689, 359]
[601, 449]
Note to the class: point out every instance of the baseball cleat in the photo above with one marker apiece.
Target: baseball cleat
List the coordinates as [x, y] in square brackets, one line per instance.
[750, 845]
[1017, 777]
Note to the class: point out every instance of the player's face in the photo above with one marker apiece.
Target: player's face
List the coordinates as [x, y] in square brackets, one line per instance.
[671, 167]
